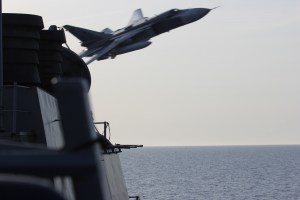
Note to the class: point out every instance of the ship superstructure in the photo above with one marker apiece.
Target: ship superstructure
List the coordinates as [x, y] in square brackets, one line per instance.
[49, 146]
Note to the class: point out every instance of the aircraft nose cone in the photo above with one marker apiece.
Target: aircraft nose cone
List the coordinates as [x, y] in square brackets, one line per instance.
[200, 12]
[194, 14]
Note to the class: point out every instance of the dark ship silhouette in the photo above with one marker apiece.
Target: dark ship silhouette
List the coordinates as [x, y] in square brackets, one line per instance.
[50, 148]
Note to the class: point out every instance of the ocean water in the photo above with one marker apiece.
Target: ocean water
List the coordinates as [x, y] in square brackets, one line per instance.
[196, 173]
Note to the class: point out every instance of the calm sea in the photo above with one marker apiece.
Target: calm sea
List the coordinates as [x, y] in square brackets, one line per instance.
[243, 172]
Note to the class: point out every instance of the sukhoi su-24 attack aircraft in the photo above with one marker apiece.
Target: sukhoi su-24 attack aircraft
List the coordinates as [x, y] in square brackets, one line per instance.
[135, 36]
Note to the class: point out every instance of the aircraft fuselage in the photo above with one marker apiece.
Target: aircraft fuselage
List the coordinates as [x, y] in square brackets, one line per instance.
[135, 36]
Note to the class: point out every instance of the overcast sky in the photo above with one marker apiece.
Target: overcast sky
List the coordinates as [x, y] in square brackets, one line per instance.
[231, 78]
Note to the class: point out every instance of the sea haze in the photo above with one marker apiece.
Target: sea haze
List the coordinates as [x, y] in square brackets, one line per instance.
[231, 172]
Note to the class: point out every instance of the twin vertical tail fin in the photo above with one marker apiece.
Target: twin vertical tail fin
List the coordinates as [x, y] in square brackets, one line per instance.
[137, 15]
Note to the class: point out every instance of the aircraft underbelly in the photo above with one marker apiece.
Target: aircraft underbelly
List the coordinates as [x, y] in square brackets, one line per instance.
[147, 34]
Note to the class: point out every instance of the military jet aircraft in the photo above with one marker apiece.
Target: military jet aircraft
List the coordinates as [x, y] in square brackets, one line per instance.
[135, 36]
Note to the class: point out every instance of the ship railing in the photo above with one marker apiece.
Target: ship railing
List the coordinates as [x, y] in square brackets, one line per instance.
[135, 197]
[105, 127]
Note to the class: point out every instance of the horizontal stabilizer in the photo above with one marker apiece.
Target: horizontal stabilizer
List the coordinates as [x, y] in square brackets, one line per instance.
[85, 35]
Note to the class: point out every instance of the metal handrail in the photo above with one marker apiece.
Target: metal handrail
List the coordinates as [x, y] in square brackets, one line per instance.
[135, 197]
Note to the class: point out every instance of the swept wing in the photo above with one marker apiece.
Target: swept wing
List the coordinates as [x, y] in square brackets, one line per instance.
[85, 35]
[99, 52]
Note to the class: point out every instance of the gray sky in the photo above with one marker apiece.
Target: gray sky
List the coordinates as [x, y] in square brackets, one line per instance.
[231, 78]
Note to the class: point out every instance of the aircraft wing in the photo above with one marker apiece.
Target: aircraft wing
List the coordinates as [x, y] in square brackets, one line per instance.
[104, 50]
[89, 52]
[86, 35]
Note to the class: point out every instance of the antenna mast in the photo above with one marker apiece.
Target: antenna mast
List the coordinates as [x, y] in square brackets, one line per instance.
[1, 70]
